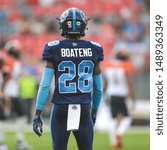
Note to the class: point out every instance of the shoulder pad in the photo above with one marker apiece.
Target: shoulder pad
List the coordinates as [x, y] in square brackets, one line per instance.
[95, 43]
[53, 43]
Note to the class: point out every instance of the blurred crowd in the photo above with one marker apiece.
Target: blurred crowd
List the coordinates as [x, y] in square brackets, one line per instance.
[26, 25]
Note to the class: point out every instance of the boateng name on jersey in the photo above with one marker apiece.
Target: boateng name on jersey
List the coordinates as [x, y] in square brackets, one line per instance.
[76, 52]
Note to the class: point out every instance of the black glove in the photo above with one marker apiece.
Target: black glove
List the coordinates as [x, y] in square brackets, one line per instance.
[93, 115]
[37, 125]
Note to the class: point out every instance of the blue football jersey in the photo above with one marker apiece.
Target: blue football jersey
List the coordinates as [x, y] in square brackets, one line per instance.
[74, 61]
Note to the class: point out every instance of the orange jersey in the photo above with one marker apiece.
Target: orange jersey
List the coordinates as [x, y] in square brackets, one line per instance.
[8, 64]
[126, 65]
[115, 73]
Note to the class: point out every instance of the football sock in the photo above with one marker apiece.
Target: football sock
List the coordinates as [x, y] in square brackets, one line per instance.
[112, 131]
[124, 125]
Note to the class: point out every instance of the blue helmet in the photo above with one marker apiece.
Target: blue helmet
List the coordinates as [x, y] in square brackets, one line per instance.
[73, 22]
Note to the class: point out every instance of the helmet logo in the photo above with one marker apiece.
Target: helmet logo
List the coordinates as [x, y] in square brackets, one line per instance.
[82, 16]
[69, 24]
[64, 16]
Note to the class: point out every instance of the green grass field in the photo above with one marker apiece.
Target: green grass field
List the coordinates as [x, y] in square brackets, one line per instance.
[135, 141]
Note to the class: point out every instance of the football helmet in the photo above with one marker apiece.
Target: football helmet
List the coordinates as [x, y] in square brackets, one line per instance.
[13, 48]
[73, 22]
[122, 55]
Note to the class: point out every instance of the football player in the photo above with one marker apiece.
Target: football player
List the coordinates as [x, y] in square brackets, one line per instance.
[4, 109]
[118, 87]
[75, 65]
[11, 89]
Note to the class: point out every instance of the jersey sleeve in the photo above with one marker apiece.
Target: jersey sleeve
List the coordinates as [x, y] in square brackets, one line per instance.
[129, 68]
[47, 53]
[99, 50]
[100, 54]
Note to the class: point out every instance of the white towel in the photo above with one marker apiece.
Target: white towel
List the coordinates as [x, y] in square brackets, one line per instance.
[73, 117]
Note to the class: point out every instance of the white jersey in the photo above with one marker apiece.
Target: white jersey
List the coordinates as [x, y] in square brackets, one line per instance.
[12, 88]
[115, 75]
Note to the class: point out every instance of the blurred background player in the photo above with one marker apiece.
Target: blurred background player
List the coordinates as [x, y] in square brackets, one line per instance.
[75, 64]
[118, 77]
[11, 89]
[4, 103]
